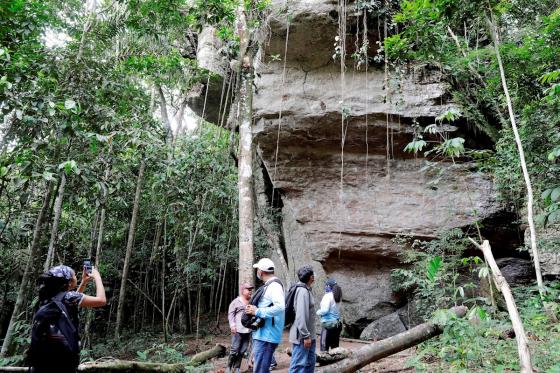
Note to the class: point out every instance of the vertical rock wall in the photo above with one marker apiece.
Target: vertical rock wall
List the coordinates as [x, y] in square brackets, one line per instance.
[344, 201]
[346, 186]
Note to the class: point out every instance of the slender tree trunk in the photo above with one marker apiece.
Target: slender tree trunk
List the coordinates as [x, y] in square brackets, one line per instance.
[33, 258]
[164, 251]
[532, 230]
[129, 245]
[56, 221]
[198, 302]
[165, 116]
[245, 170]
[100, 235]
[87, 27]
[101, 224]
[503, 286]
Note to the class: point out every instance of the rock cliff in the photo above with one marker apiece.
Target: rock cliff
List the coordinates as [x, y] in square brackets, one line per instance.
[345, 200]
[331, 146]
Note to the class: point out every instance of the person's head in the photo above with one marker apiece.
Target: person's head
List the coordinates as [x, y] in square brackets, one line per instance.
[265, 269]
[246, 290]
[332, 286]
[306, 275]
[55, 280]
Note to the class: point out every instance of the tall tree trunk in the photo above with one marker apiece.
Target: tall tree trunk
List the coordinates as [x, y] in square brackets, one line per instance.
[129, 244]
[56, 221]
[32, 261]
[534, 251]
[87, 27]
[163, 264]
[165, 116]
[101, 224]
[245, 169]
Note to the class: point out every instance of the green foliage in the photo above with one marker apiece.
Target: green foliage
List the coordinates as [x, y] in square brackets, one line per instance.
[437, 275]
[453, 37]
[85, 110]
[482, 341]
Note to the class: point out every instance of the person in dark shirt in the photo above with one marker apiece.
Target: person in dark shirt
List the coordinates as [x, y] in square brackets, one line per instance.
[62, 279]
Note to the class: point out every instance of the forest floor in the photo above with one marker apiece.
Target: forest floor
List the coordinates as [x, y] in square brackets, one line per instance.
[391, 364]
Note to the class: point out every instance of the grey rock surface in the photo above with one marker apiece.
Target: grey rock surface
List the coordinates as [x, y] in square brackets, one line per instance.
[347, 187]
[208, 98]
[516, 271]
[548, 244]
[332, 146]
[385, 327]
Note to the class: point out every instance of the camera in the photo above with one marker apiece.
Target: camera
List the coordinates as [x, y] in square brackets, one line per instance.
[256, 322]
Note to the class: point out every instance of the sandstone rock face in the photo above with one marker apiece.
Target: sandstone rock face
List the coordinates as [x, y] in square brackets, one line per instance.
[332, 146]
[347, 187]
[208, 98]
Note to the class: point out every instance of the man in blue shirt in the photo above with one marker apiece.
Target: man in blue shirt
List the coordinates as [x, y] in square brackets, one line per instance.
[271, 309]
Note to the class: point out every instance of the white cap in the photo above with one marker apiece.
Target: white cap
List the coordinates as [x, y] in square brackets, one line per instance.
[265, 265]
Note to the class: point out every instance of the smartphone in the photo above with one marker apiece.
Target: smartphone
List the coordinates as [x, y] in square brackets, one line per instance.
[88, 266]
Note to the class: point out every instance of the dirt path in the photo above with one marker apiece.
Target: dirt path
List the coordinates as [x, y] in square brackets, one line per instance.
[392, 364]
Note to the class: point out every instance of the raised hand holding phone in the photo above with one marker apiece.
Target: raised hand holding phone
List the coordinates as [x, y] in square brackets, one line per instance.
[88, 266]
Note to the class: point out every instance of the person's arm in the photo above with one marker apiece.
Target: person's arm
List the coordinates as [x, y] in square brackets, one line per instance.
[302, 312]
[231, 316]
[276, 295]
[99, 300]
[85, 280]
[325, 305]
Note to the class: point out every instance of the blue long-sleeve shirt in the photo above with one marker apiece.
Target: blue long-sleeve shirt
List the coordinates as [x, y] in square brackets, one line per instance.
[271, 307]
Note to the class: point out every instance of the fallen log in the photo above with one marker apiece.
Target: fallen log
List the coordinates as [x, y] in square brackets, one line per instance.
[124, 366]
[217, 351]
[326, 358]
[378, 350]
[119, 366]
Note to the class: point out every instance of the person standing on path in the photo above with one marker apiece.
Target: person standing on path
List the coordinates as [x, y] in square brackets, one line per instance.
[302, 331]
[240, 335]
[271, 309]
[331, 326]
[53, 349]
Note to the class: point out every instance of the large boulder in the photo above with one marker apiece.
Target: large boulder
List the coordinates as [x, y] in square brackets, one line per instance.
[516, 271]
[382, 328]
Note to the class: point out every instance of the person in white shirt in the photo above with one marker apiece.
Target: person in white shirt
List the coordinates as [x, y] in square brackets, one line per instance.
[240, 335]
[271, 309]
[331, 324]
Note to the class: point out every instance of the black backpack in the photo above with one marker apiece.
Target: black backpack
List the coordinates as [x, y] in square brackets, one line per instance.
[290, 312]
[248, 320]
[55, 342]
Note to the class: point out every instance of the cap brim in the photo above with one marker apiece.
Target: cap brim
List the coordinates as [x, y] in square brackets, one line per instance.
[256, 265]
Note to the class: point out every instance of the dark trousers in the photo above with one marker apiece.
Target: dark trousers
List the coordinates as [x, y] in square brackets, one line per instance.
[239, 345]
[330, 338]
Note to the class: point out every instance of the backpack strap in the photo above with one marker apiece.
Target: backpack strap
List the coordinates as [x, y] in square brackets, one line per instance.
[265, 286]
[58, 300]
